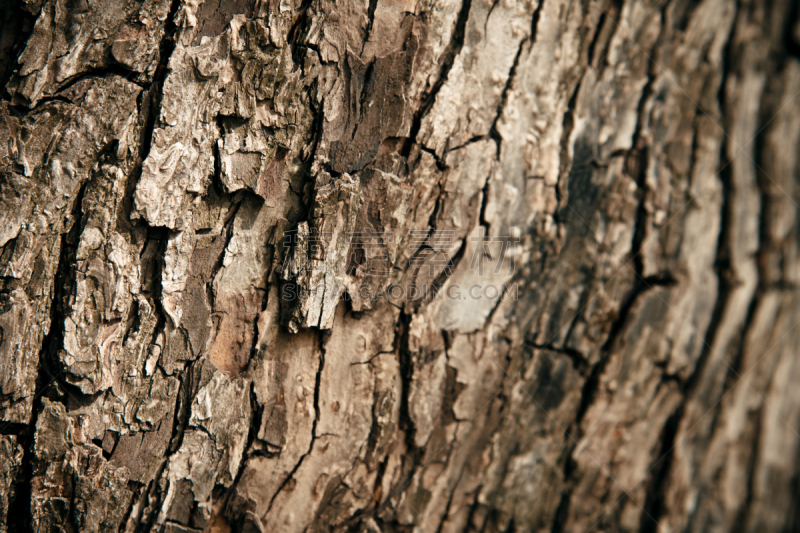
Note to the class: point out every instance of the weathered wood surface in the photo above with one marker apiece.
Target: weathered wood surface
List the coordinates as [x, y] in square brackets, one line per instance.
[201, 203]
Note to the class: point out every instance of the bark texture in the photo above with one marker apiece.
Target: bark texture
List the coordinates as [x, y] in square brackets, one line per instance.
[201, 201]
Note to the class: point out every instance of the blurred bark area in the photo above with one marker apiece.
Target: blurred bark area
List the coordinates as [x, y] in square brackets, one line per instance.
[240, 241]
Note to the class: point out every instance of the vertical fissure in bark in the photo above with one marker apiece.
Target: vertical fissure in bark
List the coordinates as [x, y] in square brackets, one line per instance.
[791, 39]
[71, 518]
[766, 248]
[446, 513]
[151, 498]
[16, 27]
[406, 376]
[493, 133]
[183, 406]
[448, 58]
[564, 160]
[441, 279]
[473, 509]
[489, 15]
[722, 261]
[137, 489]
[793, 513]
[593, 43]
[357, 520]
[248, 450]
[734, 374]
[685, 18]
[295, 31]
[583, 302]
[661, 466]
[317, 385]
[20, 516]
[743, 515]
[636, 165]
[373, 5]
[155, 91]
[412, 459]
[148, 105]
[156, 238]
[637, 158]
[227, 234]
[655, 490]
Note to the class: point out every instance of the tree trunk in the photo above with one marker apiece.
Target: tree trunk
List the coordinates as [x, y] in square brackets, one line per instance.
[399, 266]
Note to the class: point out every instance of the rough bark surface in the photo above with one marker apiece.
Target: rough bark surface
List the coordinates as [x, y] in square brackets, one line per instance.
[201, 203]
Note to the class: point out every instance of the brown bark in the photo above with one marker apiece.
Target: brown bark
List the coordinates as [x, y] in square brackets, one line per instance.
[399, 266]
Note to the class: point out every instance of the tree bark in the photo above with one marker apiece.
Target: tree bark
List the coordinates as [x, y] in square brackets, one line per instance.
[399, 266]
